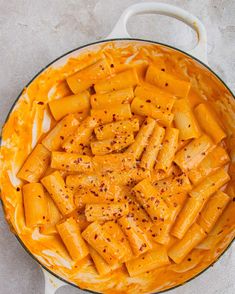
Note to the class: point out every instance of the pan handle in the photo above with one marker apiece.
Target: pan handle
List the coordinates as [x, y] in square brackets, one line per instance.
[51, 282]
[199, 51]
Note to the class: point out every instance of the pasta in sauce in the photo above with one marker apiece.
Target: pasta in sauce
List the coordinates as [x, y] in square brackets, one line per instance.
[117, 168]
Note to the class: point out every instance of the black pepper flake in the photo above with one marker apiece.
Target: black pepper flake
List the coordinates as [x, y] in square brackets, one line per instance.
[40, 103]
[17, 189]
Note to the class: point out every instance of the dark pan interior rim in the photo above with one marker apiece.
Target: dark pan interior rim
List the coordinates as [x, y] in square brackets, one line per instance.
[64, 55]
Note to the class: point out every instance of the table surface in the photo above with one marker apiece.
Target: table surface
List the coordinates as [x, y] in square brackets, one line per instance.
[32, 33]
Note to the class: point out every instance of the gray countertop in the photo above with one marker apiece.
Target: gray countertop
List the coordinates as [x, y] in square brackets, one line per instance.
[33, 33]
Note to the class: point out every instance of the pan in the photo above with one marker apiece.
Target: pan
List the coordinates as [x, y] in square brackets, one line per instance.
[120, 35]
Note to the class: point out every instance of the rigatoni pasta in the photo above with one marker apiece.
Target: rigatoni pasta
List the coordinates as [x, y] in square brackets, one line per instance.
[35, 165]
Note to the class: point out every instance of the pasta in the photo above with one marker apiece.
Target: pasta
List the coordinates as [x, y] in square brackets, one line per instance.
[192, 154]
[103, 242]
[150, 94]
[105, 212]
[150, 154]
[117, 169]
[148, 197]
[142, 138]
[212, 211]
[100, 101]
[141, 107]
[167, 152]
[65, 128]
[35, 204]
[70, 104]
[71, 162]
[214, 160]
[184, 120]
[109, 145]
[138, 240]
[167, 82]
[86, 77]
[62, 196]
[35, 165]
[122, 80]
[148, 261]
[112, 114]
[192, 238]
[208, 123]
[81, 136]
[114, 129]
[70, 234]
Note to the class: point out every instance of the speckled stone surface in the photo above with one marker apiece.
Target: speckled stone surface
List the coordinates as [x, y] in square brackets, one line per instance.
[33, 33]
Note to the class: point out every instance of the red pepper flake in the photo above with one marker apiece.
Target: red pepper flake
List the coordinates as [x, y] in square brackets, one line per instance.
[40, 103]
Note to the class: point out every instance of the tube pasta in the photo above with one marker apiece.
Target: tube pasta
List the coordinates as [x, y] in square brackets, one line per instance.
[100, 101]
[150, 154]
[62, 196]
[70, 234]
[81, 137]
[151, 94]
[138, 240]
[192, 238]
[148, 197]
[86, 77]
[54, 216]
[212, 210]
[214, 160]
[71, 162]
[187, 216]
[102, 267]
[148, 261]
[211, 184]
[121, 80]
[96, 194]
[65, 128]
[141, 107]
[184, 120]
[167, 82]
[35, 165]
[208, 123]
[113, 228]
[112, 162]
[192, 154]
[70, 104]
[130, 177]
[112, 114]
[103, 242]
[35, 205]
[160, 231]
[199, 196]
[115, 129]
[104, 212]
[224, 226]
[109, 145]
[141, 138]
[143, 221]
[167, 152]
[172, 185]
